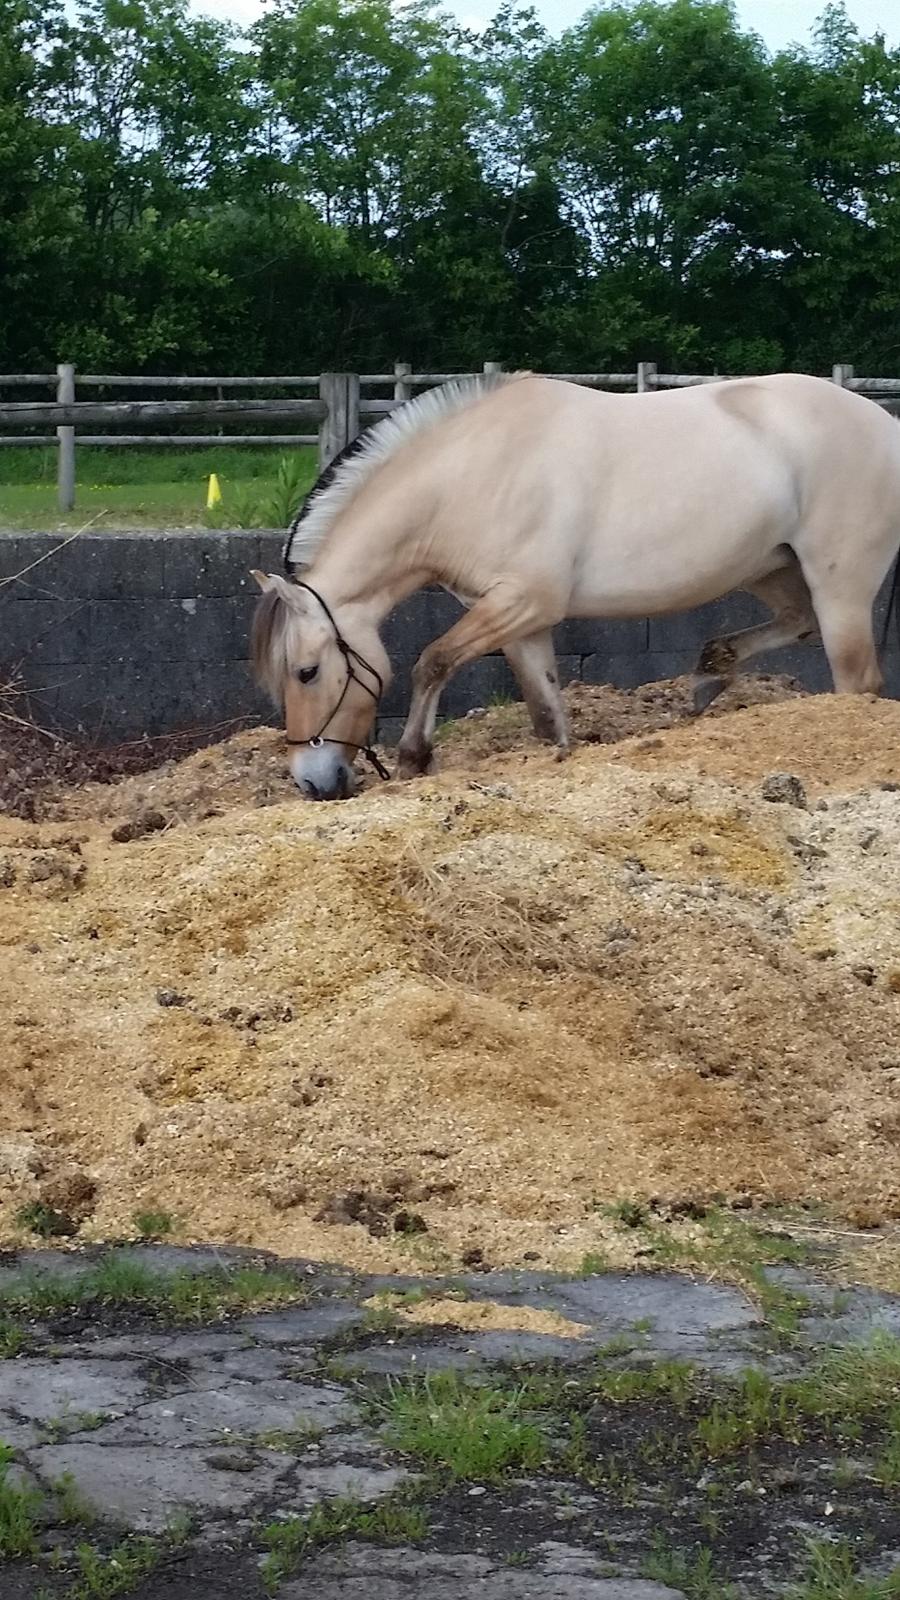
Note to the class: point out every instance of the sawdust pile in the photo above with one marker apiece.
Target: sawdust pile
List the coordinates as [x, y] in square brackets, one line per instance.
[447, 1022]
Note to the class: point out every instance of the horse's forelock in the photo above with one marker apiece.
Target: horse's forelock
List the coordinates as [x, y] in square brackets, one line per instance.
[267, 642]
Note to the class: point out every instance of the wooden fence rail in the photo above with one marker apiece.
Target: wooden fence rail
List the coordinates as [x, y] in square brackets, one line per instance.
[338, 406]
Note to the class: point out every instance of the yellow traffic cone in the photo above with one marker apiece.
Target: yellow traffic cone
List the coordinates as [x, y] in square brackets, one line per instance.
[213, 493]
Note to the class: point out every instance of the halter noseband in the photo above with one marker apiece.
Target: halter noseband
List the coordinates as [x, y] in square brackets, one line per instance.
[350, 656]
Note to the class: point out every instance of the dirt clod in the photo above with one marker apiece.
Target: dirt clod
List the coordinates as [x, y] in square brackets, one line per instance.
[784, 788]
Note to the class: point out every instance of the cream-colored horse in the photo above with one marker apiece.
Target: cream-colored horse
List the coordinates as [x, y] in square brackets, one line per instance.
[534, 500]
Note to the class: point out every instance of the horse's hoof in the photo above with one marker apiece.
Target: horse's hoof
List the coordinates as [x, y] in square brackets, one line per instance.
[413, 763]
[563, 752]
[706, 690]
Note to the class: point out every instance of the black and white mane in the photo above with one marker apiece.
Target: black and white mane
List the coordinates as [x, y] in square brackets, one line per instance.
[346, 474]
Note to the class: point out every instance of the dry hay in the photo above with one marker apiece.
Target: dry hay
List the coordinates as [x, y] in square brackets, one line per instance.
[486, 1003]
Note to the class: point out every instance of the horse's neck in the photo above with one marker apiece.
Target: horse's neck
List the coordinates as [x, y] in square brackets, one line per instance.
[372, 562]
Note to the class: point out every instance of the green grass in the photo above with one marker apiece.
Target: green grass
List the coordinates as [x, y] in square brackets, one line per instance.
[387, 1522]
[476, 1432]
[57, 1428]
[19, 1508]
[692, 1573]
[154, 1224]
[13, 1339]
[119, 1279]
[832, 1574]
[100, 1577]
[261, 487]
[45, 1221]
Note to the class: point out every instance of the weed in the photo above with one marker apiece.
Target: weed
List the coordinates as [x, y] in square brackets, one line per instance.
[154, 1224]
[832, 1574]
[18, 1510]
[666, 1380]
[290, 1441]
[101, 1577]
[475, 1431]
[179, 1527]
[599, 1471]
[629, 1213]
[45, 1221]
[692, 1574]
[71, 1508]
[291, 483]
[118, 1279]
[886, 1470]
[388, 1522]
[593, 1265]
[13, 1339]
[57, 1428]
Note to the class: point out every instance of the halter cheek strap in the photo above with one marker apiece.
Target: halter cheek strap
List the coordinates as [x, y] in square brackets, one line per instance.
[351, 658]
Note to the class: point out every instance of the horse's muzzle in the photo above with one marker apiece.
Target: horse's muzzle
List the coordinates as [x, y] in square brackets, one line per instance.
[322, 773]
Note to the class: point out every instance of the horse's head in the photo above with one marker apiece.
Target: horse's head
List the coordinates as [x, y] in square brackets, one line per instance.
[327, 669]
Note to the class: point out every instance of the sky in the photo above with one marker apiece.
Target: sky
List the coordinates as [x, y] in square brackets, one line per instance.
[780, 22]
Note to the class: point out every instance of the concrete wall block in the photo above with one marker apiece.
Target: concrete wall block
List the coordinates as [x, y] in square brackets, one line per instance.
[690, 630]
[568, 669]
[586, 636]
[95, 566]
[629, 671]
[172, 631]
[10, 563]
[269, 545]
[76, 700]
[481, 683]
[139, 699]
[209, 564]
[34, 633]
[389, 729]
[806, 662]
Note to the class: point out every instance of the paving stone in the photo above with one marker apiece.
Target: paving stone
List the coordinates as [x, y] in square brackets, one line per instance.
[43, 1389]
[174, 1346]
[303, 1323]
[676, 1308]
[142, 1489]
[18, 1434]
[361, 1573]
[205, 1416]
[344, 1480]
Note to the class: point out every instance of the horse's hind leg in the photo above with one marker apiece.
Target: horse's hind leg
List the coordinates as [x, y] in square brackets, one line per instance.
[849, 640]
[533, 660]
[787, 595]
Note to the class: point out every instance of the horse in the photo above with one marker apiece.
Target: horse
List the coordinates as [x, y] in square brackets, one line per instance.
[532, 500]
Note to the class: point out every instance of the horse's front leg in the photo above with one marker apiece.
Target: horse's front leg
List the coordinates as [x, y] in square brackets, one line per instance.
[502, 615]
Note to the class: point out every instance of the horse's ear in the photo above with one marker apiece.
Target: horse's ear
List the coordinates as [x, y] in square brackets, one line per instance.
[262, 578]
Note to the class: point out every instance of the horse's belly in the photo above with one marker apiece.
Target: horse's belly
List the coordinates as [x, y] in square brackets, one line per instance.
[660, 570]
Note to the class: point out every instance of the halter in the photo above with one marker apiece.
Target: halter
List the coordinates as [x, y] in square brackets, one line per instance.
[350, 657]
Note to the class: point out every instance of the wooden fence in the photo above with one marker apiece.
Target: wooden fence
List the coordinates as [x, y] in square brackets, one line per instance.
[336, 405]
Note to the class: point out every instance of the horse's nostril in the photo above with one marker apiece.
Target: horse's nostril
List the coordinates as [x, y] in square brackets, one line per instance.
[343, 776]
[310, 790]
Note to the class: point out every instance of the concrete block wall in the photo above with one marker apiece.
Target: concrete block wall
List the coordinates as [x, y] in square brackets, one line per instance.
[122, 634]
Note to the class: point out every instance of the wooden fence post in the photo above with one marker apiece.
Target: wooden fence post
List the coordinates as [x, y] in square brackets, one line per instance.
[646, 376]
[841, 373]
[65, 474]
[352, 424]
[339, 393]
[333, 427]
[402, 387]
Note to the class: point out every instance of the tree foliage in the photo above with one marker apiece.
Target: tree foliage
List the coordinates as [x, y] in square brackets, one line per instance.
[354, 182]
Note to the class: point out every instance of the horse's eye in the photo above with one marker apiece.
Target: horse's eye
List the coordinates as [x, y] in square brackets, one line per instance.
[306, 674]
